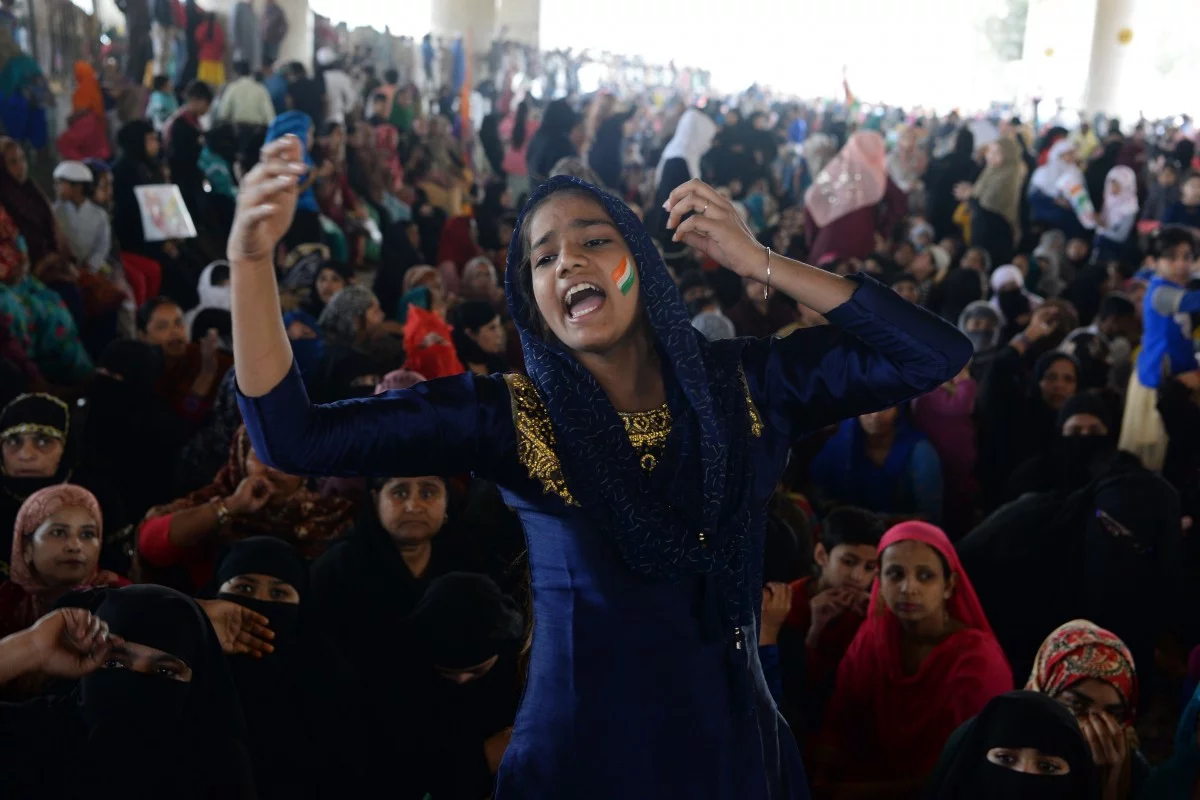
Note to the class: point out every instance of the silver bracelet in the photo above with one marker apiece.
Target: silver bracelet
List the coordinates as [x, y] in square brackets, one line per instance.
[767, 287]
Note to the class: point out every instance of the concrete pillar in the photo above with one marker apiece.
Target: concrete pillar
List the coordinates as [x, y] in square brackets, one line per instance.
[298, 44]
[1114, 75]
[521, 19]
[477, 18]
[1058, 38]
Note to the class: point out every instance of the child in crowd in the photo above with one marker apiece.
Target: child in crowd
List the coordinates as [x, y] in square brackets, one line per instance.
[162, 104]
[828, 606]
[85, 224]
[1167, 349]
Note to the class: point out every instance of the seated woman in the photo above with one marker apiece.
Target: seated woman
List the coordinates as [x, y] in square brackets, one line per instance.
[1022, 745]
[1084, 440]
[428, 341]
[151, 684]
[982, 324]
[37, 453]
[331, 278]
[349, 320]
[300, 697]
[179, 542]
[55, 550]
[1091, 673]
[882, 463]
[1018, 411]
[922, 663]
[37, 314]
[479, 337]
[396, 549]
[466, 637]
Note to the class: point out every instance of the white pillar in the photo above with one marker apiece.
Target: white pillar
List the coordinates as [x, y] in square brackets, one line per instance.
[298, 44]
[521, 18]
[1058, 39]
[477, 18]
[1114, 75]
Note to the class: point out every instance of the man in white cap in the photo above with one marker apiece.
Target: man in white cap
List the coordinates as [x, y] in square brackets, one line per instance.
[86, 224]
[340, 96]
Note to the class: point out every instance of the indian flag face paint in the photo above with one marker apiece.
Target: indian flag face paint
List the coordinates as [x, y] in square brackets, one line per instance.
[623, 276]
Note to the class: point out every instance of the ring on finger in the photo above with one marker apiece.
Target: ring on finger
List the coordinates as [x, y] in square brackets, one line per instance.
[704, 209]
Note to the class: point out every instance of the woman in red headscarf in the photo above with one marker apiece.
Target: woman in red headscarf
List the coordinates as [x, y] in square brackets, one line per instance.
[55, 550]
[923, 662]
[1090, 671]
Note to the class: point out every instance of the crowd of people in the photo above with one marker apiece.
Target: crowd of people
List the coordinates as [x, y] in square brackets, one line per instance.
[975, 592]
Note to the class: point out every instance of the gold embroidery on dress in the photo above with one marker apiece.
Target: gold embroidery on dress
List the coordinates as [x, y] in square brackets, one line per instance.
[536, 445]
[535, 437]
[756, 423]
[648, 431]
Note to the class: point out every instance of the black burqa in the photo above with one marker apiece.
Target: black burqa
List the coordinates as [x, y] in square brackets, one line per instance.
[1049, 558]
[126, 734]
[1015, 421]
[300, 700]
[462, 621]
[133, 168]
[943, 175]
[1015, 720]
[551, 142]
[1070, 462]
[606, 154]
[364, 593]
[130, 432]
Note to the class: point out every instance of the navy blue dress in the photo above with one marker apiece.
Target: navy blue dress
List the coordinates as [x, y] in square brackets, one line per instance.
[625, 698]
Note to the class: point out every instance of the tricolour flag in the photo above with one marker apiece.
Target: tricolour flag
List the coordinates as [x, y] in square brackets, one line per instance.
[623, 276]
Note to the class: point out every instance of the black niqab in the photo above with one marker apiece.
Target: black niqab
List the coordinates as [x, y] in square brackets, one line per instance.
[300, 699]
[1015, 720]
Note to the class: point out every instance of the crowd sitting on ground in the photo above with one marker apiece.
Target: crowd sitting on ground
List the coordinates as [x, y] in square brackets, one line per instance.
[1022, 527]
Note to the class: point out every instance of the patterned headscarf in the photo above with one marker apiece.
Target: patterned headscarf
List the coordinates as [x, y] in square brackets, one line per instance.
[1080, 650]
[703, 481]
[36, 509]
[307, 520]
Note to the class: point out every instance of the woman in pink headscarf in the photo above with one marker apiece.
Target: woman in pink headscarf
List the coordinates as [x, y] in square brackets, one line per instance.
[852, 200]
[923, 662]
[56, 550]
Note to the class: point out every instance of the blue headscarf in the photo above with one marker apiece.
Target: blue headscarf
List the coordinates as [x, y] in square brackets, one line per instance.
[298, 124]
[307, 352]
[703, 481]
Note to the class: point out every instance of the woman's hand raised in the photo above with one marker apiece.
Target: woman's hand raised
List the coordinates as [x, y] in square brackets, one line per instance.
[266, 202]
[715, 228]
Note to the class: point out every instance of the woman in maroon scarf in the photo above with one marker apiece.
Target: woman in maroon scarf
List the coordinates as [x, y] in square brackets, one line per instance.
[852, 201]
[922, 663]
[56, 550]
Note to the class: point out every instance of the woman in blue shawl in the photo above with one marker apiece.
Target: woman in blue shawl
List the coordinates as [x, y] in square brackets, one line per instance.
[306, 227]
[882, 463]
[639, 457]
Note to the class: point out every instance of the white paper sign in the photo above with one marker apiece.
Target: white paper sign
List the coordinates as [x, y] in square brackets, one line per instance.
[164, 214]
